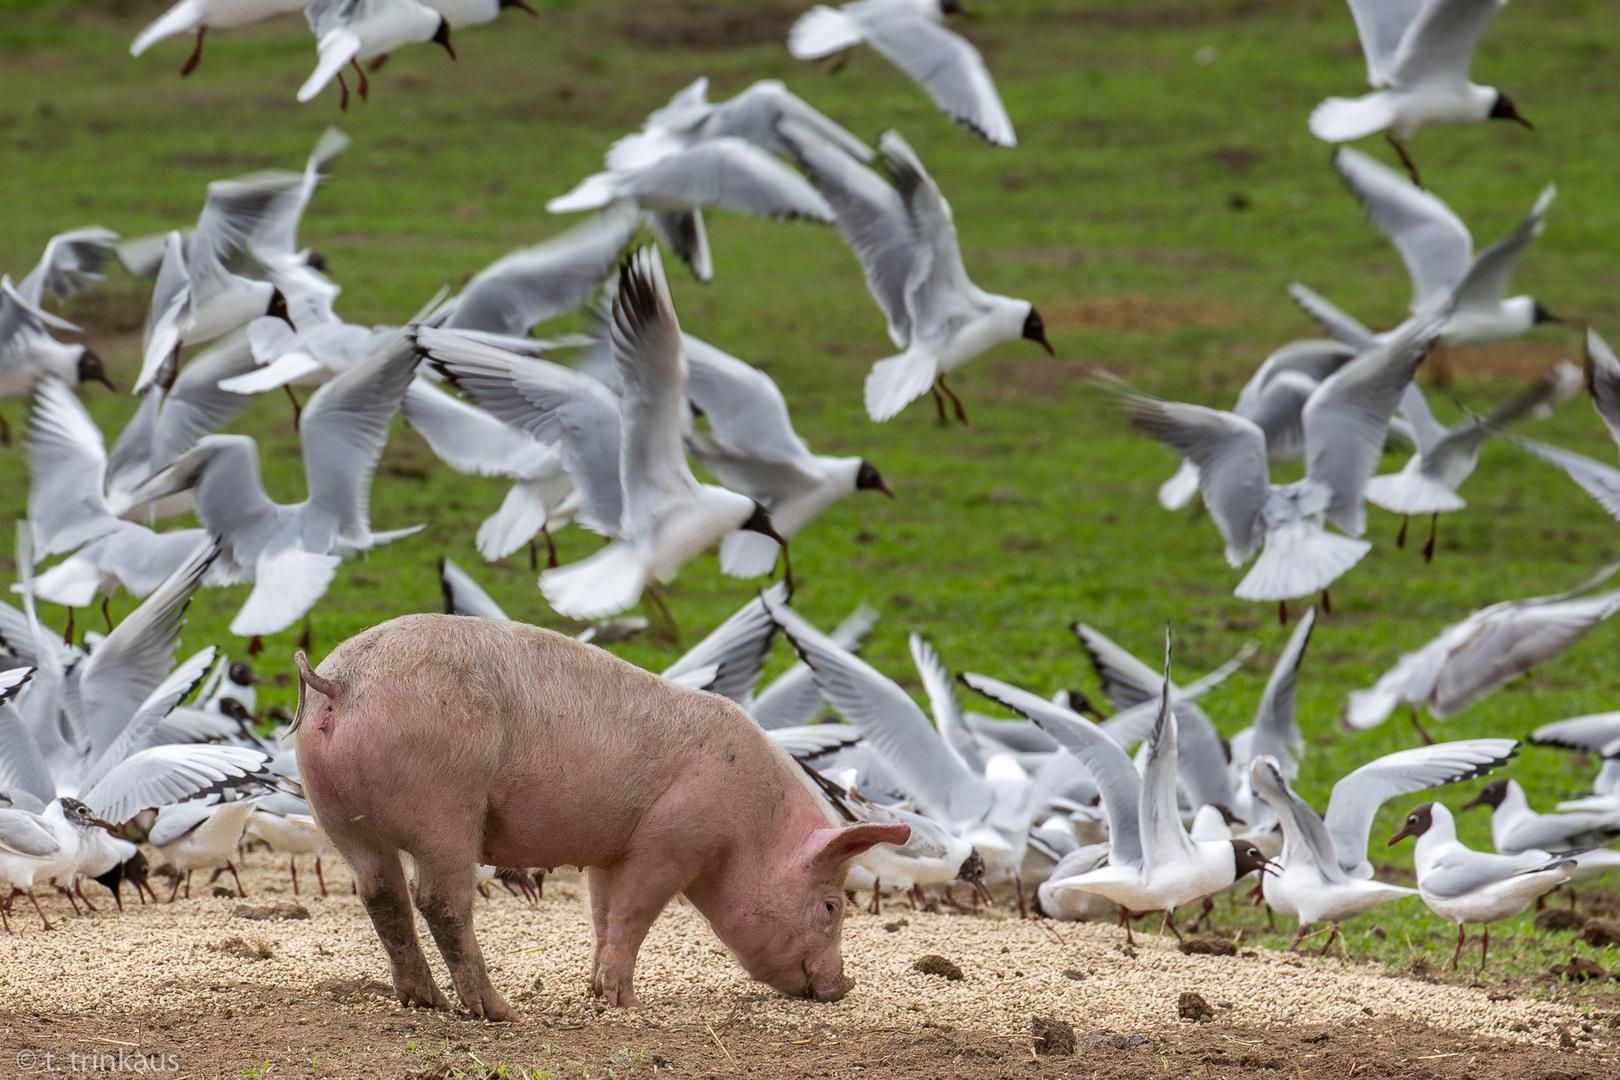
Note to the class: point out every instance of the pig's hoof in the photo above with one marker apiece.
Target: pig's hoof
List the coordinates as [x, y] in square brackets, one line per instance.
[493, 1008]
[622, 998]
[432, 998]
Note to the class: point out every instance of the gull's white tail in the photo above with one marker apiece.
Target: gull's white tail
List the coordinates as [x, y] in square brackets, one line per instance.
[522, 514]
[1347, 119]
[898, 381]
[604, 584]
[336, 48]
[1179, 490]
[179, 19]
[822, 31]
[1298, 560]
[748, 554]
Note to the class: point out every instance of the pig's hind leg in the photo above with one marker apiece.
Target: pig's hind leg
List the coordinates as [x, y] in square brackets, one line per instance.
[381, 882]
[444, 890]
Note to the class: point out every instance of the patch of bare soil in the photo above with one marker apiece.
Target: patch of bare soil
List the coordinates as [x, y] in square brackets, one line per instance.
[1500, 360]
[1138, 313]
[708, 24]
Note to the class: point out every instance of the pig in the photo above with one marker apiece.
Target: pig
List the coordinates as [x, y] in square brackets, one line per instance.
[465, 740]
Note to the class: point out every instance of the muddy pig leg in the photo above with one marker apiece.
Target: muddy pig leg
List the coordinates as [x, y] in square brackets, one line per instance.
[381, 883]
[444, 888]
[640, 888]
[601, 888]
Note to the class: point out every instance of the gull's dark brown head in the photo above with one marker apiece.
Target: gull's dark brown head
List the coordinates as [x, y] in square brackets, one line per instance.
[1504, 110]
[1035, 330]
[1417, 823]
[1542, 315]
[277, 308]
[867, 478]
[441, 36]
[92, 369]
[1490, 795]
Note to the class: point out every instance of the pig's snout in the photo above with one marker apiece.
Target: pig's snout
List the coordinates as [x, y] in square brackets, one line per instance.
[834, 991]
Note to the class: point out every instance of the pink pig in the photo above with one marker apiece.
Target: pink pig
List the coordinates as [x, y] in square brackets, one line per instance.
[464, 741]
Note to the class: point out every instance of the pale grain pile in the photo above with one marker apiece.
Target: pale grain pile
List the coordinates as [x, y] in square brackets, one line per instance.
[159, 957]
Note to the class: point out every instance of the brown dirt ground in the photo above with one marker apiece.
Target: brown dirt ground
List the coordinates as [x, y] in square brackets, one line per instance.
[228, 996]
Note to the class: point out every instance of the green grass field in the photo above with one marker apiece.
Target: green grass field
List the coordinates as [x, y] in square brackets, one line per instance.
[1154, 210]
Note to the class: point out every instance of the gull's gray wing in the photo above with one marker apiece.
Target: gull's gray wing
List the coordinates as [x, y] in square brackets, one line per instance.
[942, 62]
[1313, 358]
[21, 833]
[232, 212]
[554, 404]
[1486, 282]
[1305, 836]
[942, 700]
[1440, 42]
[1103, 758]
[535, 283]
[1601, 481]
[142, 725]
[809, 740]
[344, 428]
[71, 263]
[893, 724]
[1590, 733]
[1279, 413]
[463, 596]
[939, 295]
[1230, 452]
[195, 405]
[1357, 797]
[133, 660]
[471, 440]
[873, 220]
[129, 462]
[1126, 680]
[736, 648]
[730, 173]
[170, 295]
[277, 231]
[1425, 428]
[746, 411]
[793, 697]
[1451, 458]
[67, 461]
[163, 775]
[1463, 870]
[755, 113]
[1275, 732]
[1381, 24]
[1603, 381]
[1344, 327]
[1345, 420]
[22, 766]
[1434, 242]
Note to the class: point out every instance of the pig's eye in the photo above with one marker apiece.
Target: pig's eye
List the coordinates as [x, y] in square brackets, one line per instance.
[831, 906]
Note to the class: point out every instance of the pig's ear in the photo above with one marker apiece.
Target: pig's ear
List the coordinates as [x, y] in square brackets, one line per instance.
[838, 846]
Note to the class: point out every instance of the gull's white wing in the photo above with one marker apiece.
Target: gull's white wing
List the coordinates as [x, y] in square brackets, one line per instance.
[334, 48]
[1108, 764]
[793, 697]
[1126, 680]
[1334, 320]
[1164, 839]
[1230, 453]
[746, 411]
[874, 221]
[464, 596]
[167, 774]
[1305, 836]
[277, 231]
[1357, 797]
[535, 283]
[939, 293]
[736, 649]
[555, 404]
[133, 660]
[286, 584]
[942, 700]
[730, 173]
[71, 263]
[1440, 42]
[195, 405]
[1415, 408]
[1603, 381]
[67, 461]
[1590, 733]
[647, 348]
[1275, 732]
[471, 440]
[22, 766]
[943, 63]
[892, 723]
[1486, 282]
[1601, 481]
[138, 732]
[21, 833]
[1434, 242]
[170, 296]
[756, 113]
[1345, 420]
[1381, 24]
[807, 741]
[344, 428]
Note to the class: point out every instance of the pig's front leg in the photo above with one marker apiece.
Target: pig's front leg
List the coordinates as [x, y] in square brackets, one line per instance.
[381, 882]
[600, 883]
[444, 888]
[638, 890]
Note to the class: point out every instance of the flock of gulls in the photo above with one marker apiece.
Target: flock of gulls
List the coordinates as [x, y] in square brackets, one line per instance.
[1084, 810]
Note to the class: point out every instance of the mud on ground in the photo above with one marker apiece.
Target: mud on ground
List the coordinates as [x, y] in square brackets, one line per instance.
[224, 994]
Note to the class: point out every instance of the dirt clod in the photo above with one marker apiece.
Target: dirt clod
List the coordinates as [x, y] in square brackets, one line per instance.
[1579, 969]
[934, 964]
[1071, 973]
[1118, 1042]
[279, 910]
[1052, 1036]
[257, 949]
[1559, 920]
[1208, 946]
[355, 991]
[894, 927]
[1601, 932]
[1192, 1006]
[223, 892]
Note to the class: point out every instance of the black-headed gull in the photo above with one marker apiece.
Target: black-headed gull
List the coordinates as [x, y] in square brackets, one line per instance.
[284, 822]
[1274, 733]
[792, 698]
[751, 447]
[1153, 865]
[1600, 481]
[26, 847]
[1469, 659]
[201, 834]
[1439, 254]
[349, 31]
[1468, 886]
[910, 33]
[1515, 827]
[291, 551]
[202, 16]
[1418, 57]
[196, 298]
[905, 238]
[1446, 457]
[71, 263]
[1345, 421]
